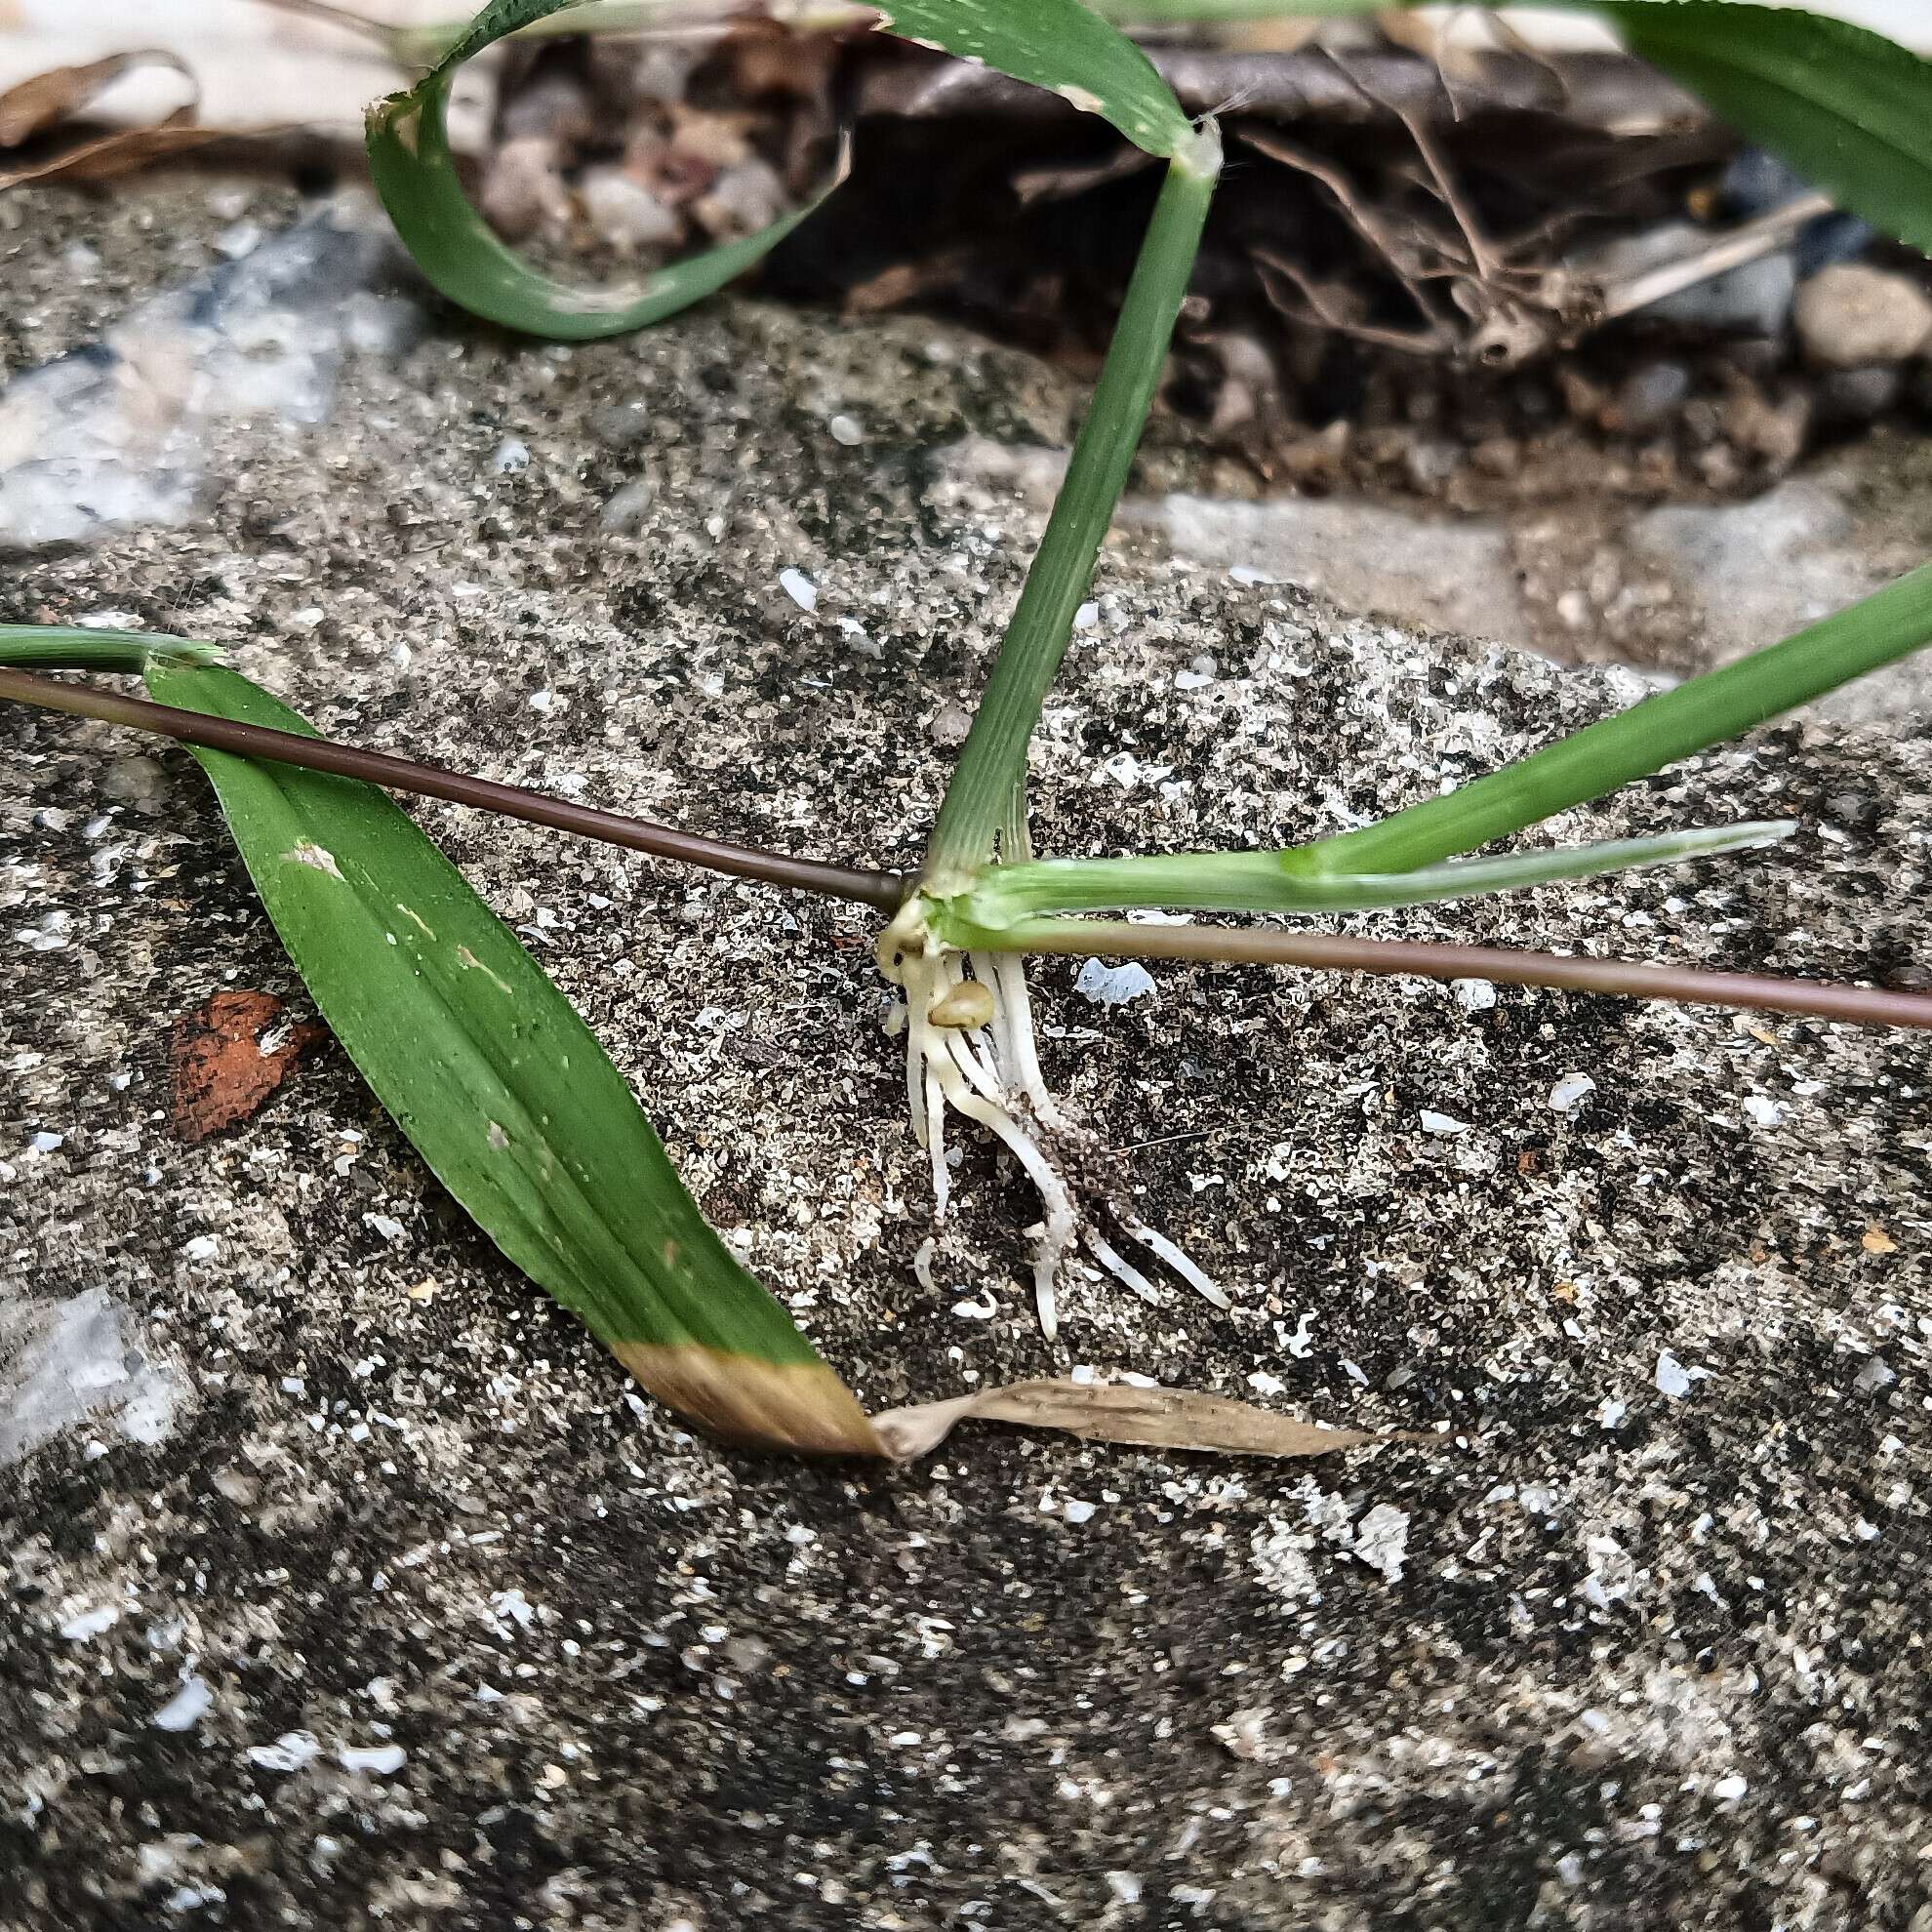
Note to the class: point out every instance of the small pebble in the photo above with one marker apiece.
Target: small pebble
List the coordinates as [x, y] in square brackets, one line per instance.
[1850, 316]
[289, 1752]
[1382, 1540]
[950, 725]
[1113, 985]
[625, 214]
[627, 506]
[244, 238]
[1570, 1092]
[1754, 299]
[1648, 398]
[90, 1623]
[799, 588]
[744, 199]
[844, 429]
[1848, 397]
[512, 458]
[524, 189]
[186, 1709]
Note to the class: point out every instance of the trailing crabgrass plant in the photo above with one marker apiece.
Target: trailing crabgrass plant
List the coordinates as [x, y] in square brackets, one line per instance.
[516, 1106]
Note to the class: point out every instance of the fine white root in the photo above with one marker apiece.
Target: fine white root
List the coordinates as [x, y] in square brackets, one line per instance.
[1177, 1259]
[1008, 978]
[984, 1065]
[1121, 1268]
[935, 1138]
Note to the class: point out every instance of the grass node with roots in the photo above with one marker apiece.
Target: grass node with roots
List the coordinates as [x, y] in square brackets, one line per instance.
[970, 1047]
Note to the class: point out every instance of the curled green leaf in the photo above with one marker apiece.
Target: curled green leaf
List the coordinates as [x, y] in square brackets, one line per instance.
[415, 174]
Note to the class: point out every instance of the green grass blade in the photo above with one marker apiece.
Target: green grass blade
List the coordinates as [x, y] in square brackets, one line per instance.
[415, 174]
[1259, 881]
[505, 1092]
[993, 760]
[1060, 45]
[60, 647]
[1657, 732]
[1849, 109]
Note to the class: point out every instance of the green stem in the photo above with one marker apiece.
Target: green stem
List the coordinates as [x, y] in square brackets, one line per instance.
[974, 808]
[1658, 732]
[1262, 882]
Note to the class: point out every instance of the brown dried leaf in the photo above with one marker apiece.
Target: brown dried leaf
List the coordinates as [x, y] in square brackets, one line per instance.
[228, 1057]
[122, 152]
[43, 104]
[1118, 1411]
[61, 92]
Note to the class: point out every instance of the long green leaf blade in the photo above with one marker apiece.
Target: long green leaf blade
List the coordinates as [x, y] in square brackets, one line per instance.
[505, 1092]
[1260, 882]
[415, 174]
[1725, 704]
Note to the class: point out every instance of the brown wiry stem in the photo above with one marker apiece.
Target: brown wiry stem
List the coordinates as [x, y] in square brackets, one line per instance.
[883, 890]
[1762, 992]
[1084, 938]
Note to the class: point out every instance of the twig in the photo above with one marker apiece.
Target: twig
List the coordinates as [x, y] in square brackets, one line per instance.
[1763, 993]
[883, 890]
[1747, 243]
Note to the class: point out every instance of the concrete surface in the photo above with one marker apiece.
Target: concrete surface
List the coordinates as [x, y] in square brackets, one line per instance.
[408, 1613]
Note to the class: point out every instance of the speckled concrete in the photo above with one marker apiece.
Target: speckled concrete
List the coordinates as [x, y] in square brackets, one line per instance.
[402, 1610]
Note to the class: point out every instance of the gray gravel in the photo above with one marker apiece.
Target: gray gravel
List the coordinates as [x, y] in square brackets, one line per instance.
[394, 1606]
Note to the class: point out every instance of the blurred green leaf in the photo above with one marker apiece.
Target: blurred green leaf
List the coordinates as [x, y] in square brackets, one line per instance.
[1847, 107]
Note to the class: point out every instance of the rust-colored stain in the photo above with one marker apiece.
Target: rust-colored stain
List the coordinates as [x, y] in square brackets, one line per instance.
[228, 1057]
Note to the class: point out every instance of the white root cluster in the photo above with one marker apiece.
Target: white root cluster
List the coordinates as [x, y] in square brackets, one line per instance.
[970, 1047]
